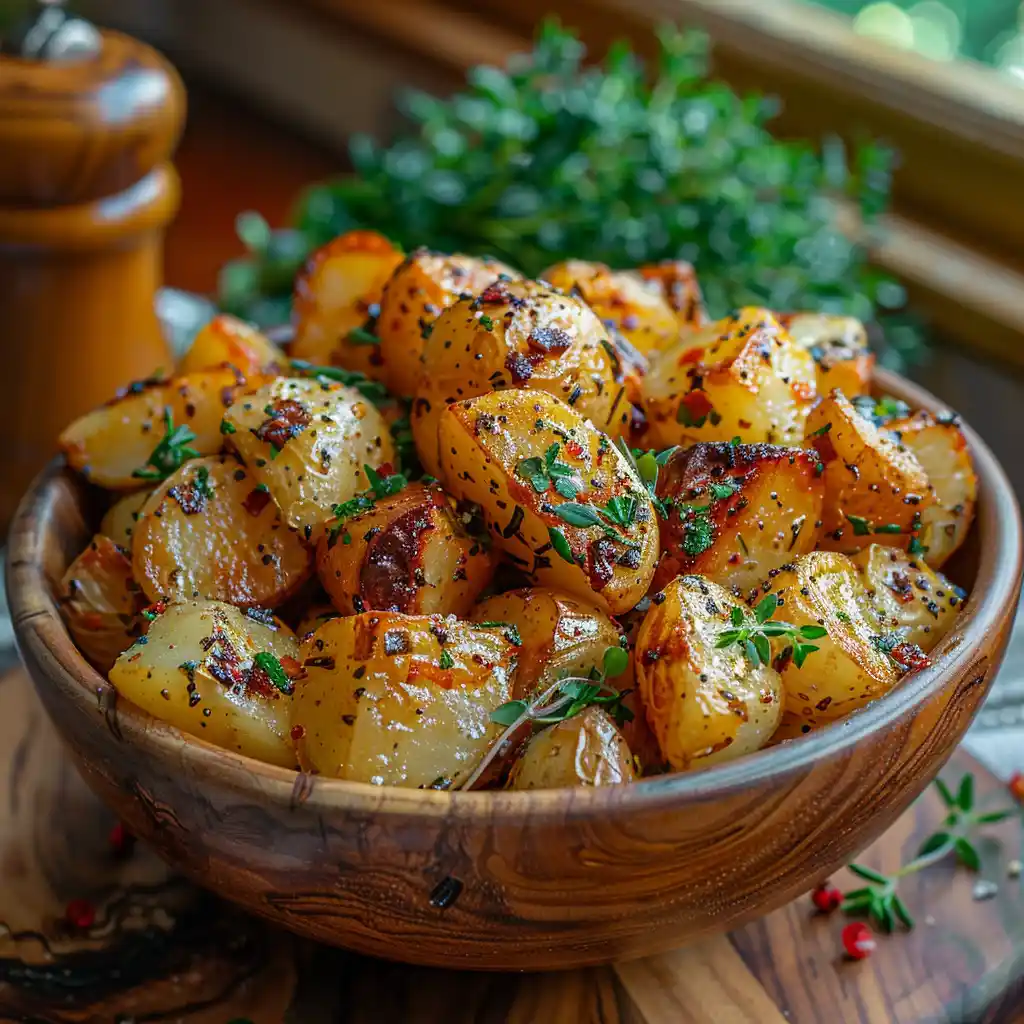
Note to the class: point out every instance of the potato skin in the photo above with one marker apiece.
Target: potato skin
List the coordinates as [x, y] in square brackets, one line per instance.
[585, 750]
[195, 670]
[226, 339]
[839, 347]
[209, 532]
[518, 334]
[323, 433]
[108, 444]
[337, 291]
[118, 522]
[420, 290]
[377, 705]
[772, 515]
[875, 489]
[409, 553]
[484, 442]
[704, 705]
[743, 376]
[100, 602]
[561, 635]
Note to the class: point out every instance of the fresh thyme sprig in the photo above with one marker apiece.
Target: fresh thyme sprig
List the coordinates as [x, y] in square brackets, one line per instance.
[170, 453]
[380, 487]
[371, 390]
[646, 465]
[754, 636]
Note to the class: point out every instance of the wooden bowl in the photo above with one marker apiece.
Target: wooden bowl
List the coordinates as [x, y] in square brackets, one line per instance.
[525, 880]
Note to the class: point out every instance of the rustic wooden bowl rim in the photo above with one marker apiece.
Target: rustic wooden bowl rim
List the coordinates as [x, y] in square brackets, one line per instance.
[39, 627]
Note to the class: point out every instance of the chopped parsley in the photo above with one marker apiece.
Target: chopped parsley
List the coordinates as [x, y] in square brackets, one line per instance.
[274, 672]
[541, 473]
[171, 452]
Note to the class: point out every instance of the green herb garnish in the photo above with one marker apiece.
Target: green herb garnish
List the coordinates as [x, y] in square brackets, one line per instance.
[754, 636]
[372, 390]
[170, 453]
[544, 472]
[274, 672]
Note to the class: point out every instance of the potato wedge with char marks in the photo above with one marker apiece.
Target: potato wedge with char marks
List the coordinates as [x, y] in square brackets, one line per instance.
[740, 377]
[216, 673]
[308, 442]
[101, 603]
[839, 347]
[407, 553]
[875, 489]
[226, 339]
[112, 444]
[737, 511]
[560, 500]
[336, 295]
[703, 703]
[518, 334]
[119, 520]
[585, 750]
[400, 700]
[419, 291]
[212, 531]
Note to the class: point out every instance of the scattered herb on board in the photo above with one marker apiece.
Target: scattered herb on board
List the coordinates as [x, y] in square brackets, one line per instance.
[170, 453]
[754, 635]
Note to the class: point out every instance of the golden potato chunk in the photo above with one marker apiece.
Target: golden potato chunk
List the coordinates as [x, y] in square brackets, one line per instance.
[734, 512]
[309, 442]
[313, 617]
[839, 347]
[940, 447]
[216, 673]
[419, 291]
[585, 750]
[704, 703]
[562, 503]
[212, 531]
[741, 377]
[875, 489]
[101, 603]
[336, 299]
[518, 334]
[407, 553]
[226, 339]
[150, 427]
[400, 700]
[119, 520]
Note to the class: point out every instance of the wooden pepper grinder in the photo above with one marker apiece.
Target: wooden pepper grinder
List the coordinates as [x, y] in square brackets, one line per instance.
[88, 120]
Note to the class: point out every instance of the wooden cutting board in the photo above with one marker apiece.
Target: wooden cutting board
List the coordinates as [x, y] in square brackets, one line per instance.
[160, 949]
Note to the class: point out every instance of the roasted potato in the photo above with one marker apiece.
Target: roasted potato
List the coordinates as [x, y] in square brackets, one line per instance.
[309, 442]
[585, 750]
[314, 617]
[226, 339]
[560, 500]
[162, 419]
[741, 377]
[217, 673]
[211, 531]
[704, 704]
[101, 603]
[734, 512]
[118, 522]
[419, 291]
[940, 447]
[407, 553]
[839, 347]
[875, 489]
[560, 635]
[518, 334]
[336, 299]
[400, 700]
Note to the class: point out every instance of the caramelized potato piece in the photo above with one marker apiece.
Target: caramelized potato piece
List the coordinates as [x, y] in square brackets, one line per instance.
[419, 291]
[560, 635]
[561, 501]
[119, 520]
[839, 347]
[216, 673]
[741, 377]
[704, 704]
[407, 553]
[875, 489]
[101, 603]
[209, 531]
[518, 334]
[585, 750]
[115, 442]
[308, 441]
[336, 295]
[940, 447]
[400, 700]
[226, 339]
[737, 511]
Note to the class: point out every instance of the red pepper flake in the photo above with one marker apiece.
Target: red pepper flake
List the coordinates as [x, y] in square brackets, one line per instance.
[909, 656]
[824, 447]
[691, 355]
[80, 914]
[574, 448]
[858, 940]
[122, 842]
[698, 405]
[291, 667]
[494, 293]
[256, 501]
[548, 340]
[519, 367]
[826, 898]
[1016, 786]
[298, 731]
[287, 418]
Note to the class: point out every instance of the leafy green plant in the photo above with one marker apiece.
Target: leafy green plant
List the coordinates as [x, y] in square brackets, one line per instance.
[550, 158]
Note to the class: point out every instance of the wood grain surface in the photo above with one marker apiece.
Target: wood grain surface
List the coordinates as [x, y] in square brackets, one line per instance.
[161, 950]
